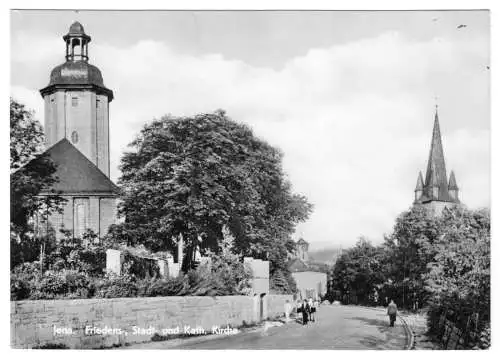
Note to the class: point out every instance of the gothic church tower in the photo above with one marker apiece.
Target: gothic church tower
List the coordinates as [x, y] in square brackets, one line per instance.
[436, 192]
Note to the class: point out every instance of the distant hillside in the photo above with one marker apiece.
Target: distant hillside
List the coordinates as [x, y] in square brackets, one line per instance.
[327, 255]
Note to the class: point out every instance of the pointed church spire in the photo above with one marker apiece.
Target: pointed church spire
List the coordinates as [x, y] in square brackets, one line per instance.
[452, 185]
[419, 188]
[420, 182]
[453, 188]
[436, 191]
[436, 168]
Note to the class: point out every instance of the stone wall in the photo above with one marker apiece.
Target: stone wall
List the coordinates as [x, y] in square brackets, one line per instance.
[70, 322]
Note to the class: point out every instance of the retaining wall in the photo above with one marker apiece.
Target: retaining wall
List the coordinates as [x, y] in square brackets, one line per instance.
[74, 323]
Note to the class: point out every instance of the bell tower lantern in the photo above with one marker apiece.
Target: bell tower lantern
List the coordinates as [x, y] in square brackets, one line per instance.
[77, 102]
[77, 43]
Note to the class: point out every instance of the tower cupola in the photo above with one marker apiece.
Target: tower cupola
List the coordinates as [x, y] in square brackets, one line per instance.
[77, 43]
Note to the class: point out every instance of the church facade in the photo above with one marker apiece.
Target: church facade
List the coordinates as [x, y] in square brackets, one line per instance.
[77, 139]
[437, 191]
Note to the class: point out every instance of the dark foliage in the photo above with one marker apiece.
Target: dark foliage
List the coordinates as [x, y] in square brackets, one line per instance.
[192, 176]
[31, 173]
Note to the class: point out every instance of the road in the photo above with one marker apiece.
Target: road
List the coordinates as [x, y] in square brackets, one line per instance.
[337, 328]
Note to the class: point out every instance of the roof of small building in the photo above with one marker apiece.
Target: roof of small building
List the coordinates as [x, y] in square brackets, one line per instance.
[76, 173]
[301, 241]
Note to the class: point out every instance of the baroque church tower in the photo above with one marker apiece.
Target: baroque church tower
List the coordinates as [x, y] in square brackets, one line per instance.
[436, 192]
[77, 102]
[77, 141]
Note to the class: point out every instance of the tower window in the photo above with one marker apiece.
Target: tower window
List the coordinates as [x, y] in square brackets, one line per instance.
[74, 137]
[74, 101]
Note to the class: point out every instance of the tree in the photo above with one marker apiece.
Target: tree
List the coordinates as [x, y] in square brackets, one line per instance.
[358, 271]
[458, 277]
[191, 176]
[410, 247]
[31, 173]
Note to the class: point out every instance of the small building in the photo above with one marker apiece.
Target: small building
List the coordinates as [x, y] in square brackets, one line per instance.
[310, 283]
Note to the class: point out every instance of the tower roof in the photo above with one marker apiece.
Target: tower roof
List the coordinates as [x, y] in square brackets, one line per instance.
[76, 29]
[76, 73]
[435, 175]
[420, 182]
[452, 185]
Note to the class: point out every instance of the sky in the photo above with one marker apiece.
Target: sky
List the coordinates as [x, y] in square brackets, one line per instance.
[348, 96]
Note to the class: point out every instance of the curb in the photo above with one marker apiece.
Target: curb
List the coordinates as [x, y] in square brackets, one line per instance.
[410, 333]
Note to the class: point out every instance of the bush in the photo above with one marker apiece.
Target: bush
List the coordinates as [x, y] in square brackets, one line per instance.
[61, 284]
[19, 288]
[84, 255]
[23, 279]
[74, 269]
[26, 248]
[140, 266]
[114, 286]
[154, 287]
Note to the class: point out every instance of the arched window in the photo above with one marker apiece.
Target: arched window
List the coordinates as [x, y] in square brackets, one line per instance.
[81, 207]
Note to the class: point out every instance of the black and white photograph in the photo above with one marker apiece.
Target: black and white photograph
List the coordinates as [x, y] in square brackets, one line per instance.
[258, 179]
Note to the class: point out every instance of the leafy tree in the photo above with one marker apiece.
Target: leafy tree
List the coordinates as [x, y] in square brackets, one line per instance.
[409, 248]
[190, 176]
[358, 271]
[31, 173]
[459, 274]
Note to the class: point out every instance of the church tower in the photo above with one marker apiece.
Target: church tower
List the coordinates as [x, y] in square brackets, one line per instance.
[301, 250]
[436, 192]
[77, 102]
[77, 142]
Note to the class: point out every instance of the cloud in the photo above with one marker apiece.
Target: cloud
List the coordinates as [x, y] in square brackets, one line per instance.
[353, 120]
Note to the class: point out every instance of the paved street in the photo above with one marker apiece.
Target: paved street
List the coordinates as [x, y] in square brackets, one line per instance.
[337, 327]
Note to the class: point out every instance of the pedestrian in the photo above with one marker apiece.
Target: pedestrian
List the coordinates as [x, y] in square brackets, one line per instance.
[392, 311]
[305, 309]
[298, 309]
[312, 309]
[288, 309]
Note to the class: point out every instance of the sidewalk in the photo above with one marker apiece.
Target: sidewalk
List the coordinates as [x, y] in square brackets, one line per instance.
[418, 324]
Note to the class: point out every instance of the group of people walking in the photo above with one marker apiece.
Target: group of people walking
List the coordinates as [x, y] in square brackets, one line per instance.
[307, 308]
